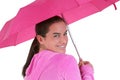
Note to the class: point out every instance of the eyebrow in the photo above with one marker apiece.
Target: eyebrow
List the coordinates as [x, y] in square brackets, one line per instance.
[56, 33]
[59, 33]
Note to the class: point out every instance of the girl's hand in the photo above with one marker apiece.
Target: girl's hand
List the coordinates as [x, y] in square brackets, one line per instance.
[81, 63]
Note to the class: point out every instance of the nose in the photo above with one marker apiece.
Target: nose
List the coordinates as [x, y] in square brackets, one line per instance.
[64, 40]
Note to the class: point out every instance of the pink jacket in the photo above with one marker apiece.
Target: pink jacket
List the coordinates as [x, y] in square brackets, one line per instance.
[48, 65]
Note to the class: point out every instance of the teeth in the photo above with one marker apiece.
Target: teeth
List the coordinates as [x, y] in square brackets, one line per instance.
[62, 46]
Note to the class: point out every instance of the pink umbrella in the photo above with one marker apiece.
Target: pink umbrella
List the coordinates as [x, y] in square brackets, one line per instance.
[21, 27]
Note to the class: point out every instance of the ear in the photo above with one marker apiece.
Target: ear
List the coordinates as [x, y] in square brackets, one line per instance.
[40, 39]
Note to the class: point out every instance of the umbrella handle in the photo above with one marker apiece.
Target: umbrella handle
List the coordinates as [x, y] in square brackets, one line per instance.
[72, 40]
[74, 43]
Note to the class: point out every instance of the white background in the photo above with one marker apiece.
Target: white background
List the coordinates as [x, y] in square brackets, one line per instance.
[97, 38]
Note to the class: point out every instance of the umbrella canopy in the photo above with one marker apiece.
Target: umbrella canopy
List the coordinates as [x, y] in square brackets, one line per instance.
[21, 27]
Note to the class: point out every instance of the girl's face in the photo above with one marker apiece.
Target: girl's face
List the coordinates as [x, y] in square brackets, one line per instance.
[56, 39]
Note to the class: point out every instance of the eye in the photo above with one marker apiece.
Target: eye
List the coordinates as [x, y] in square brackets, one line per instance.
[65, 33]
[56, 35]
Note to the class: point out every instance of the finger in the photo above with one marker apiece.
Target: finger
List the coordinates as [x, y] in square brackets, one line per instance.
[81, 63]
[86, 62]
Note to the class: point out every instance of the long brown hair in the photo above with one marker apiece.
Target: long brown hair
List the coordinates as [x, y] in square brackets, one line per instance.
[41, 28]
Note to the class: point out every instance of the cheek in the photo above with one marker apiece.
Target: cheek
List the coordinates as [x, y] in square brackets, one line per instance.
[66, 38]
[51, 45]
[51, 42]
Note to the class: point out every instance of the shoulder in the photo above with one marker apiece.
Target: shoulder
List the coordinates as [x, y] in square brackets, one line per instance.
[64, 60]
[58, 56]
[66, 66]
[58, 59]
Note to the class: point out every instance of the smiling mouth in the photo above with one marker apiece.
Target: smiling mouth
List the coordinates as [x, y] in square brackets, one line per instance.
[62, 47]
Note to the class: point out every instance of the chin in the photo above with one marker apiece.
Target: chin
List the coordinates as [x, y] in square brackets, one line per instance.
[61, 51]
